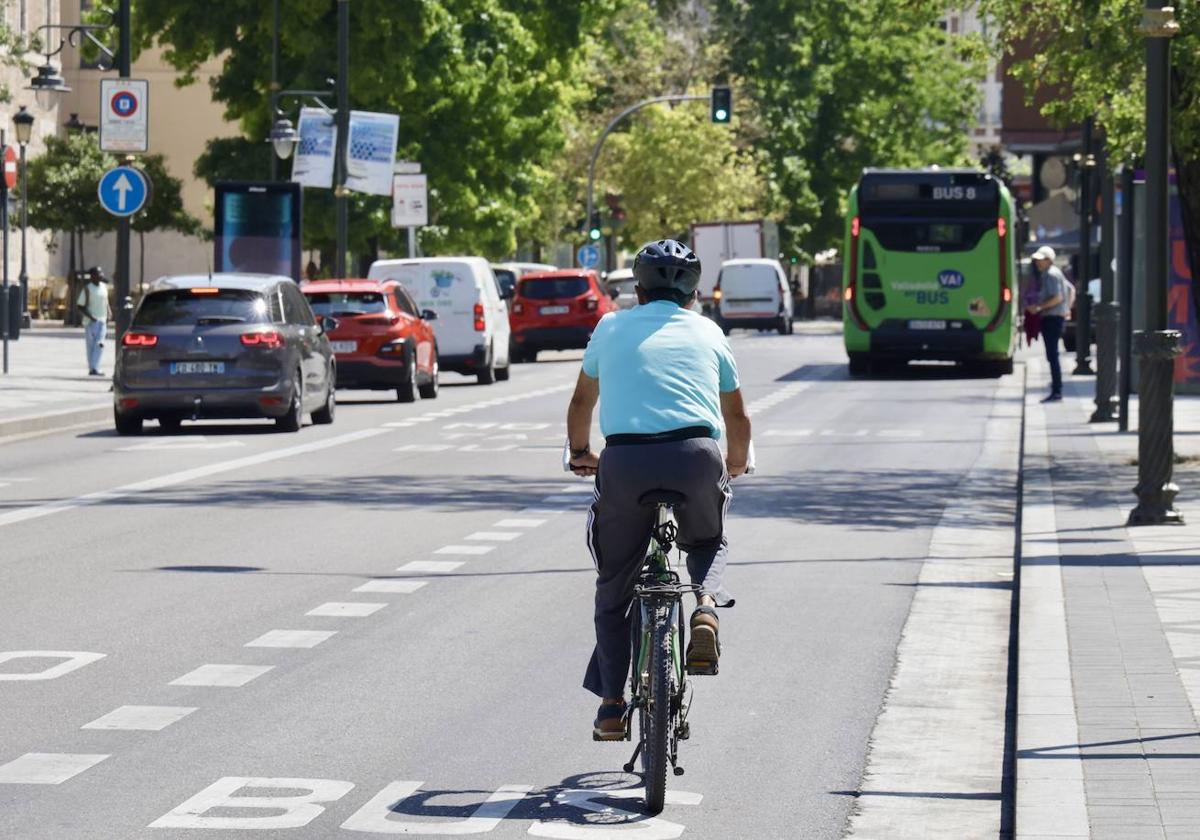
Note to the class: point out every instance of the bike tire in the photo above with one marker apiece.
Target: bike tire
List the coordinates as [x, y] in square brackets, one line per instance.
[656, 716]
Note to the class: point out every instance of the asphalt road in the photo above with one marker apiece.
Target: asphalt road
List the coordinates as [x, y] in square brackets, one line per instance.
[453, 682]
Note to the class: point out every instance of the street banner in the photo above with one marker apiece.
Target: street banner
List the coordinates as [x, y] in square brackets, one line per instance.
[371, 152]
[410, 201]
[313, 166]
[124, 115]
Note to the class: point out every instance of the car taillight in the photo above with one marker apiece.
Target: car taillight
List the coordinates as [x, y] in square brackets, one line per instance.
[480, 326]
[1005, 291]
[133, 339]
[852, 280]
[591, 304]
[518, 308]
[270, 339]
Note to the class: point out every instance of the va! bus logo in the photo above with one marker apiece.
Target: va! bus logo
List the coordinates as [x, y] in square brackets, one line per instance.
[951, 279]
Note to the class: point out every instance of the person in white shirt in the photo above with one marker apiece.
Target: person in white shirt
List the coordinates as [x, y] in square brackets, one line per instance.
[92, 303]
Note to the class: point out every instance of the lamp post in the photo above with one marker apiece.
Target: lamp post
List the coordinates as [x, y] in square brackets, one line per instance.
[23, 128]
[1107, 311]
[1156, 346]
[1083, 301]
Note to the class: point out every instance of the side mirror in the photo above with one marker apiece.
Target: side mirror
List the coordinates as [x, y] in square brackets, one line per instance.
[428, 315]
[614, 292]
[326, 324]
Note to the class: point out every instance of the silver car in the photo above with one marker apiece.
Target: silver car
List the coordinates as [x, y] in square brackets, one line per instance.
[224, 346]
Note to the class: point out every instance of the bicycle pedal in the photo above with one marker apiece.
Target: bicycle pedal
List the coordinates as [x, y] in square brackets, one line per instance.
[678, 771]
[702, 669]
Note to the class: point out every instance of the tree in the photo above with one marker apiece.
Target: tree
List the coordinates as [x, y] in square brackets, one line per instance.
[1094, 50]
[845, 84]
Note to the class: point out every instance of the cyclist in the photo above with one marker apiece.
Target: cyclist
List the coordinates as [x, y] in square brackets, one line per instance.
[667, 385]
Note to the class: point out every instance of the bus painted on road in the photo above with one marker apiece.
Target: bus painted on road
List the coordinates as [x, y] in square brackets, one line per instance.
[930, 270]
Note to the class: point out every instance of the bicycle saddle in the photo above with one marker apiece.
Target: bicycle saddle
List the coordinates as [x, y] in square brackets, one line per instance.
[653, 498]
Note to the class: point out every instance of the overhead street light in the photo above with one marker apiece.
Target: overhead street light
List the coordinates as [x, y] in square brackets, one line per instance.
[47, 84]
[283, 138]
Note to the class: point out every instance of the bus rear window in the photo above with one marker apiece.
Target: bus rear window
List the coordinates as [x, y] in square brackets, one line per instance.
[930, 236]
[186, 307]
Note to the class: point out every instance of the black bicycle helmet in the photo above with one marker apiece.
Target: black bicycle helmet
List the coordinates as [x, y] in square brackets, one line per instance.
[667, 264]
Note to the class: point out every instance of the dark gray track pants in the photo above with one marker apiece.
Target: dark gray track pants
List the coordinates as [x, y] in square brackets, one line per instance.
[619, 534]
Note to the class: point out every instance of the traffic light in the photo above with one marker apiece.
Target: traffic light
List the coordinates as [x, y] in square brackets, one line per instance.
[594, 234]
[722, 104]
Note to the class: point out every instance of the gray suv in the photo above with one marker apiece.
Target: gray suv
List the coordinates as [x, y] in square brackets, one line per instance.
[224, 346]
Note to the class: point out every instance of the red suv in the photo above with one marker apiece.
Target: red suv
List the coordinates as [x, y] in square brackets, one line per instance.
[381, 341]
[555, 310]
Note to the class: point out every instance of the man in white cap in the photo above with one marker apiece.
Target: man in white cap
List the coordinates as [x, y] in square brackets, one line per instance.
[1053, 305]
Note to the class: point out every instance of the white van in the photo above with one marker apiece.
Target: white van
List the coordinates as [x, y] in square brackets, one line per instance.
[753, 294]
[472, 320]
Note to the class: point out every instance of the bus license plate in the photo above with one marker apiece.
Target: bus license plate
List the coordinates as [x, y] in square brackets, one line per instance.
[344, 346]
[197, 367]
[927, 325]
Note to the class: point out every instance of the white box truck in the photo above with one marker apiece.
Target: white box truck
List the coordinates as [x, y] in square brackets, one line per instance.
[716, 242]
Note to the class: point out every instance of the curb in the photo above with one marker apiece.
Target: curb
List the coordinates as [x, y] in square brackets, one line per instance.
[20, 427]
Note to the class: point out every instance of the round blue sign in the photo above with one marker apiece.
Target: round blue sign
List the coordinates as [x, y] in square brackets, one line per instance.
[124, 191]
[588, 256]
[951, 279]
[124, 103]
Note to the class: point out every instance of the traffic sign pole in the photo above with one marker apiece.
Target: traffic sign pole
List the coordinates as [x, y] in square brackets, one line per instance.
[125, 68]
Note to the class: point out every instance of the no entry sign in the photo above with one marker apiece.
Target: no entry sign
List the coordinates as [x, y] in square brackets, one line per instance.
[124, 115]
[10, 167]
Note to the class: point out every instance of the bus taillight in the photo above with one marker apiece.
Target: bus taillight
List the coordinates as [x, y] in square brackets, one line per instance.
[1005, 291]
[854, 227]
[1002, 227]
[1007, 295]
[852, 280]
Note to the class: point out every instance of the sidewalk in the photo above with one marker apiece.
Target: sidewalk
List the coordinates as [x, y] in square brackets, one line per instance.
[1109, 661]
[47, 386]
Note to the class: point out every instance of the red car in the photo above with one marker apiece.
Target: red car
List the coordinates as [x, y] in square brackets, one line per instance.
[381, 341]
[556, 310]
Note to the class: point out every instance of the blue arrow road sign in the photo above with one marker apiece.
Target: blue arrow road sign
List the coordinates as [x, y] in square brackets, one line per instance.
[124, 191]
[588, 256]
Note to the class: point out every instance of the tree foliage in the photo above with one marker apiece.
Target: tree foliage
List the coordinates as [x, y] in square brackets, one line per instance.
[845, 84]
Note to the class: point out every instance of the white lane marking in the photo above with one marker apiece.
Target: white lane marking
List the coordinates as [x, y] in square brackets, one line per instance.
[581, 487]
[292, 638]
[475, 447]
[46, 768]
[172, 479]
[424, 447]
[224, 676]
[519, 523]
[787, 432]
[73, 660]
[615, 823]
[465, 549]
[377, 816]
[539, 510]
[429, 566]
[190, 442]
[564, 500]
[402, 587]
[298, 810]
[342, 609]
[495, 536]
[142, 718]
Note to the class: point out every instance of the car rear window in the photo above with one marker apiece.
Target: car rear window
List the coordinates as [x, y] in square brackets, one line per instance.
[344, 304]
[749, 278]
[548, 288]
[201, 306]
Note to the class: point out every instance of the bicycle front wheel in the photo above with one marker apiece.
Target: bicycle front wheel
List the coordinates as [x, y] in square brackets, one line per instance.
[656, 715]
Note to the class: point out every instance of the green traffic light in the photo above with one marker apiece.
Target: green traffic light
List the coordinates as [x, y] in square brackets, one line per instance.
[721, 115]
[594, 234]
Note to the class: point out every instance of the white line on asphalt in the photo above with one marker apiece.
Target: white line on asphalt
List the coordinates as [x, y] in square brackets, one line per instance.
[402, 587]
[429, 566]
[350, 609]
[424, 447]
[172, 479]
[563, 500]
[465, 549]
[142, 718]
[519, 523]
[540, 510]
[72, 660]
[291, 638]
[46, 768]
[223, 676]
[495, 536]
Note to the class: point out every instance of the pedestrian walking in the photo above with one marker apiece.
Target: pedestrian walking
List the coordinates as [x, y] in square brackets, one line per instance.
[92, 303]
[1052, 307]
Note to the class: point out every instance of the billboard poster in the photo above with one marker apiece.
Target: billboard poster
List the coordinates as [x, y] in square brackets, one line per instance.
[258, 227]
[371, 152]
[313, 166]
[1181, 309]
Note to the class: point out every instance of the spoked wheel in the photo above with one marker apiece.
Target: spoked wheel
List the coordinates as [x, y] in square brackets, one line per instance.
[656, 715]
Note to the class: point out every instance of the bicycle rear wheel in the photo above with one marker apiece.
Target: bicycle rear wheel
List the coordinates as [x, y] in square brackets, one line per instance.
[656, 713]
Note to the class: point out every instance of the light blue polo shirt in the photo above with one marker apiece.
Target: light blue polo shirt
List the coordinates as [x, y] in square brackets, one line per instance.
[660, 368]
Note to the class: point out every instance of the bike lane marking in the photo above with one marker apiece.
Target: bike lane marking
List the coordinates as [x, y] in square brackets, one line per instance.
[346, 609]
[141, 718]
[291, 638]
[47, 768]
[222, 676]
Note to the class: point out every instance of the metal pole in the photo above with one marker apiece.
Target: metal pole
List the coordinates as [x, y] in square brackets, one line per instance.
[1125, 287]
[591, 206]
[1156, 346]
[23, 277]
[412, 242]
[124, 303]
[1107, 311]
[1083, 301]
[274, 81]
[4, 224]
[340, 193]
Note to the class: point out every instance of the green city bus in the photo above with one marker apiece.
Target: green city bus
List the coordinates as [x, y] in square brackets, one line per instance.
[929, 270]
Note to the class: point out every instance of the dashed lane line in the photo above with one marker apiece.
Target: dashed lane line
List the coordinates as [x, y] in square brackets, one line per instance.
[494, 536]
[222, 676]
[47, 768]
[346, 609]
[141, 718]
[292, 638]
[465, 549]
[519, 523]
[401, 587]
[429, 566]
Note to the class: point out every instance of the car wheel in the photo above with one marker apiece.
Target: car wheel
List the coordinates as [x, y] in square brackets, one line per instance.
[127, 424]
[791, 327]
[170, 423]
[859, 365]
[323, 416]
[503, 373]
[294, 418]
[488, 375]
[782, 329]
[429, 390]
[515, 355]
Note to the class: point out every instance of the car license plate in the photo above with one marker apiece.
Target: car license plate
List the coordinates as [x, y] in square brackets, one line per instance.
[927, 325]
[197, 367]
[344, 346]
[554, 310]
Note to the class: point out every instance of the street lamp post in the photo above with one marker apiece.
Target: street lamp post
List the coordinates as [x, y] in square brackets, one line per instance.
[23, 126]
[1107, 311]
[1083, 301]
[1156, 346]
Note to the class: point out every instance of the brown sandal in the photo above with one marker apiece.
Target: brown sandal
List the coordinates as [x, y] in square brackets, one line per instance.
[704, 650]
